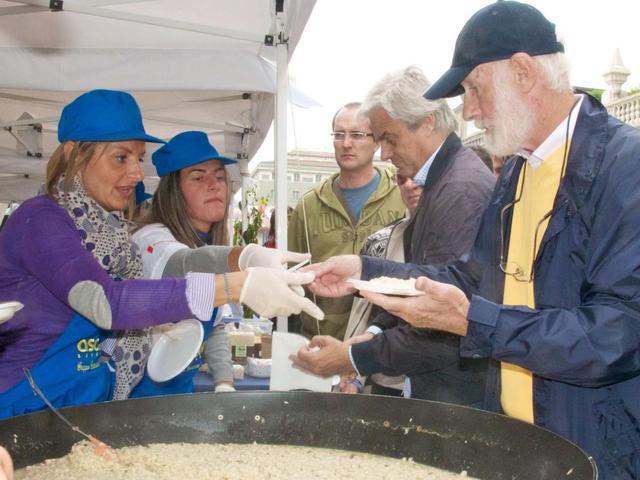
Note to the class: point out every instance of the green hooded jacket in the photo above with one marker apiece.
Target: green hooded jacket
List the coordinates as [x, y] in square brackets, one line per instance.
[331, 231]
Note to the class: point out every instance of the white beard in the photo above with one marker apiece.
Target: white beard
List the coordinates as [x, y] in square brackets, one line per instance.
[512, 122]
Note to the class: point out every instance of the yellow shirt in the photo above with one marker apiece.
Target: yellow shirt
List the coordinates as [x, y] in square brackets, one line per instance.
[538, 188]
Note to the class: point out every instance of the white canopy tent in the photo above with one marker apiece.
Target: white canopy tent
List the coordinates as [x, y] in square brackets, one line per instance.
[212, 65]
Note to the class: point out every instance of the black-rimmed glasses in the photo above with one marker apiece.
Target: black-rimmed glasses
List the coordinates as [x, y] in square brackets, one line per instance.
[340, 136]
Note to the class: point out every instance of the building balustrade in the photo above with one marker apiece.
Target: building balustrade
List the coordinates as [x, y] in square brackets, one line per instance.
[626, 109]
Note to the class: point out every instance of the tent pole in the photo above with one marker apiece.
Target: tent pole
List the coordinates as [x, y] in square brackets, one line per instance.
[246, 184]
[280, 125]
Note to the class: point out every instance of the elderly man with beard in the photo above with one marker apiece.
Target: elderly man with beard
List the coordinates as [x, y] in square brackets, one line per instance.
[551, 287]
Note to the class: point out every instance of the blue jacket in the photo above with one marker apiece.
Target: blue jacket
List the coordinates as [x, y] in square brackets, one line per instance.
[582, 341]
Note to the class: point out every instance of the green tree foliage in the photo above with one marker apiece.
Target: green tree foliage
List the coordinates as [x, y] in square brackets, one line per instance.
[596, 92]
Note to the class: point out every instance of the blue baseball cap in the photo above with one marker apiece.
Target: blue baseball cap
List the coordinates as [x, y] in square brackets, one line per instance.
[496, 32]
[103, 116]
[141, 195]
[184, 150]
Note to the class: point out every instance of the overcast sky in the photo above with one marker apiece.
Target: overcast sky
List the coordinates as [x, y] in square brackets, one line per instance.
[348, 45]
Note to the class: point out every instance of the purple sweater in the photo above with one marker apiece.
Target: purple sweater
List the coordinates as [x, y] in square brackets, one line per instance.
[41, 259]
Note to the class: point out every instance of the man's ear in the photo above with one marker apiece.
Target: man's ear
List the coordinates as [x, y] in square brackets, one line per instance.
[428, 124]
[67, 148]
[523, 72]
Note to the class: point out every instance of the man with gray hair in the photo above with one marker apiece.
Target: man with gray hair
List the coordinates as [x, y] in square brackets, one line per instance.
[551, 288]
[418, 137]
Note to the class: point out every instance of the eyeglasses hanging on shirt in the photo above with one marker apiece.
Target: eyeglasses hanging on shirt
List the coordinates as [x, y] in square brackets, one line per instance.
[513, 268]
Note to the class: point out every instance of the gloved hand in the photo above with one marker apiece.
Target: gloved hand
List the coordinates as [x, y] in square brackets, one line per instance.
[269, 292]
[256, 256]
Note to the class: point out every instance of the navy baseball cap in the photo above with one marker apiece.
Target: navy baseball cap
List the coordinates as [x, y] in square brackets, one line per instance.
[103, 116]
[141, 194]
[184, 150]
[496, 32]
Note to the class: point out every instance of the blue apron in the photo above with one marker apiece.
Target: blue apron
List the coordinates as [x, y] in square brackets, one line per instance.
[69, 373]
[182, 383]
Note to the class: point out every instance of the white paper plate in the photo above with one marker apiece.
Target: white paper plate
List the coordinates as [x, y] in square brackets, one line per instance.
[401, 290]
[174, 350]
[283, 376]
[7, 309]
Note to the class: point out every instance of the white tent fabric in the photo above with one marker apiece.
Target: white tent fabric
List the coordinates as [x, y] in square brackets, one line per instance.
[192, 64]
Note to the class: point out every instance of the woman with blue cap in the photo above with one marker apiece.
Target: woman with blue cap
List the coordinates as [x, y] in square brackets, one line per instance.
[68, 257]
[188, 215]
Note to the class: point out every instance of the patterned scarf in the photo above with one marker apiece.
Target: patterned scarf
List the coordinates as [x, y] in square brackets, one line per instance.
[105, 234]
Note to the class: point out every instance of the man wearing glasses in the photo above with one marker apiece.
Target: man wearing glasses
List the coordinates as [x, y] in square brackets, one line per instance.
[551, 288]
[337, 216]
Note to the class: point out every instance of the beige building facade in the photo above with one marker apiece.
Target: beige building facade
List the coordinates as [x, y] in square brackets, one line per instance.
[305, 171]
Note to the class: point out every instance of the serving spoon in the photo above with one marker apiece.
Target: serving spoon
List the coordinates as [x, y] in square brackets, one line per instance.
[101, 449]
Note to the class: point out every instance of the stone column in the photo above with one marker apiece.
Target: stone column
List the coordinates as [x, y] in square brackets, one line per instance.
[615, 78]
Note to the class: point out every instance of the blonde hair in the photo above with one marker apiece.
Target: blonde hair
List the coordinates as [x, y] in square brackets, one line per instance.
[169, 208]
[58, 165]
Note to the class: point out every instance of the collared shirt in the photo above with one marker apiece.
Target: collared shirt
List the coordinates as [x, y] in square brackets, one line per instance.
[421, 177]
[554, 140]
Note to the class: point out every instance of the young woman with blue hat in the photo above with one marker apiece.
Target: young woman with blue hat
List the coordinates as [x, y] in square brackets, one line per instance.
[188, 214]
[68, 257]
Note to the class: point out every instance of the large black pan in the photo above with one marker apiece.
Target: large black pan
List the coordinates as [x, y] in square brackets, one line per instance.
[455, 438]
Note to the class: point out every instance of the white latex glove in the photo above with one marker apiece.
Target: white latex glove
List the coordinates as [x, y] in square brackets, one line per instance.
[256, 256]
[298, 289]
[269, 292]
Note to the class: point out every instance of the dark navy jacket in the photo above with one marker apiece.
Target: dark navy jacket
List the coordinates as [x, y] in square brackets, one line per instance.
[582, 341]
